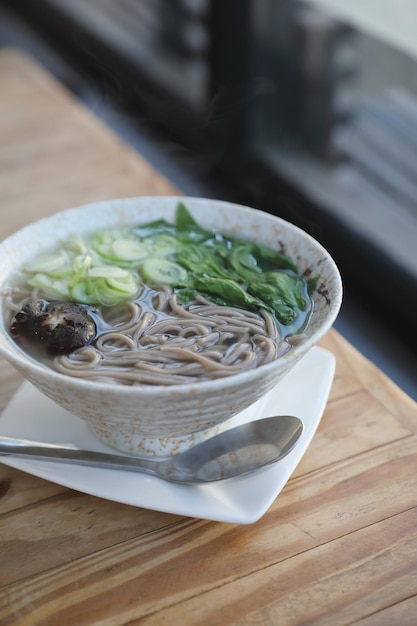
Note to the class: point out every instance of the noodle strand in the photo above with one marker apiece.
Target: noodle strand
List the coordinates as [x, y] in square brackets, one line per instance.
[158, 341]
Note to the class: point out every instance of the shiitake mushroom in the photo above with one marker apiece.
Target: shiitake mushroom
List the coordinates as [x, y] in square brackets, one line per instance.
[60, 327]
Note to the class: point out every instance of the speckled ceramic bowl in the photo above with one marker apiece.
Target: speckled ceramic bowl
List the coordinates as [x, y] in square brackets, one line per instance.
[160, 420]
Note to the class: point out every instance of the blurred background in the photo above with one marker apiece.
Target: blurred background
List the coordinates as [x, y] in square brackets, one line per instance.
[305, 109]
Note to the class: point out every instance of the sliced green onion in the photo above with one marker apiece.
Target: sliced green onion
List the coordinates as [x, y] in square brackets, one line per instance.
[47, 263]
[104, 250]
[80, 265]
[106, 293]
[163, 272]
[77, 245]
[81, 292]
[129, 250]
[128, 287]
[164, 246]
[108, 271]
[54, 288]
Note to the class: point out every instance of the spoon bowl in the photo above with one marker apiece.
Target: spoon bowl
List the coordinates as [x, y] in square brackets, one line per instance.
[232, 453]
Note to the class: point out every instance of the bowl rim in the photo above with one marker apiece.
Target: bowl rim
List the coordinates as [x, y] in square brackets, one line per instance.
[11, 351]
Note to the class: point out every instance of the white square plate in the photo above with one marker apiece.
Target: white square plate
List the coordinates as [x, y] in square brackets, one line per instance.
[303, 392]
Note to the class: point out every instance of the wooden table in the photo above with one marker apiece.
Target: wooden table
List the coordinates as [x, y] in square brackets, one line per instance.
[338, 546]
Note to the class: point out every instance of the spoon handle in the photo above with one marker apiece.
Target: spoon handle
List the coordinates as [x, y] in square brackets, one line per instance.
[64, 454]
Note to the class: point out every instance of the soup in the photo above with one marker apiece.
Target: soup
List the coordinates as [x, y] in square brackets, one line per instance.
[158, 303]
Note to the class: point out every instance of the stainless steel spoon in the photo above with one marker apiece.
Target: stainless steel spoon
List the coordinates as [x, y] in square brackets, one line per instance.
[234, 452]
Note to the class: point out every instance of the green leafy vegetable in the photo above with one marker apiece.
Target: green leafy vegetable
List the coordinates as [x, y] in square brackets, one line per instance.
[229, 291]
[284, 293]
[187, 228]
[183, 218]
[312, 284]
[107, 266]
[241, 260]
[157, 227]
[201, 260]
[268, 259]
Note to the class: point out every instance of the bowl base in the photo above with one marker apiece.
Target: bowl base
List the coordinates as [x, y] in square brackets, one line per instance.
[142, 446]
[145, 446]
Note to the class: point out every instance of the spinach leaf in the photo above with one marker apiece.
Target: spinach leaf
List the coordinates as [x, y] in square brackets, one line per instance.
[312, 284]
[183, 218]
[268, 259]
[187, 228]
[229, 291]
[228, 270]
[285, 293]
[154, 228]
[201, 260]
[241, 260]
[186, 295]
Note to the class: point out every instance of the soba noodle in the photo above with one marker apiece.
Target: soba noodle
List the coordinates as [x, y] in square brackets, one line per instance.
[158, 304]
[157, 341]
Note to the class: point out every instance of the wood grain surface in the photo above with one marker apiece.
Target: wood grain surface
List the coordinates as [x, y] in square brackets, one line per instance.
[338, 546]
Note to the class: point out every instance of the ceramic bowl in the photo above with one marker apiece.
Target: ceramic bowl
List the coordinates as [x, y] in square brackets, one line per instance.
[163, 420]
